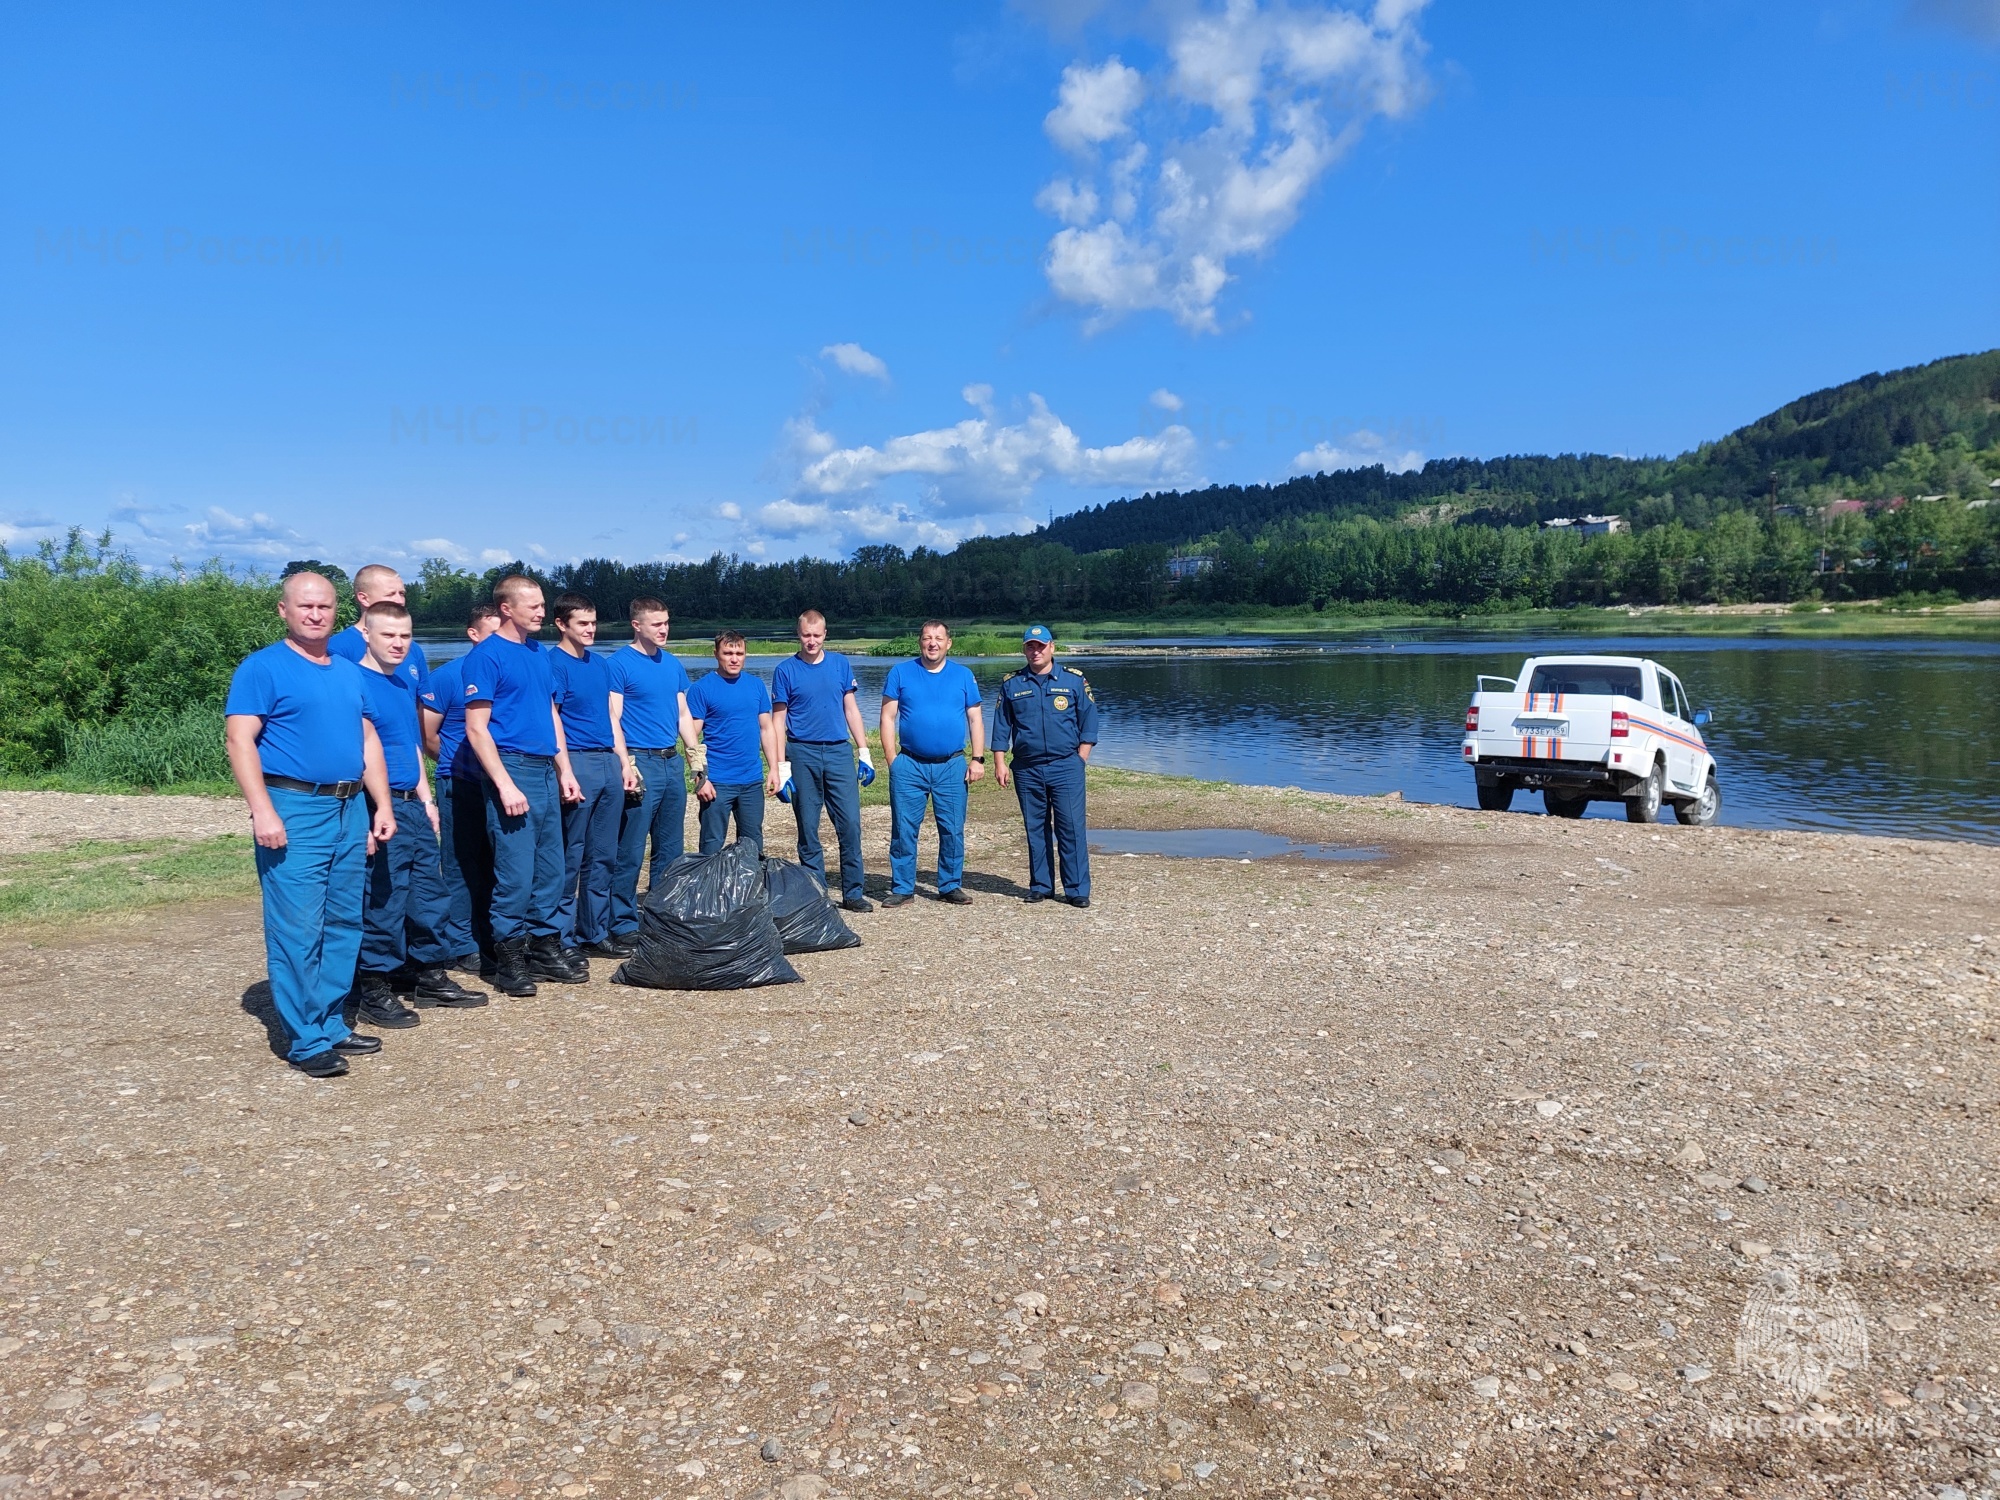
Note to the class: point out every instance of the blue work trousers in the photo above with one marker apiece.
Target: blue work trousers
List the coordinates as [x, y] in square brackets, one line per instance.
[312, 914]
[746, 800]
[824, 776]
[465, 858]
[404, 919]
[661, 816]
[527, 851]
[590, 846]
[1052, 807]
[912, 782]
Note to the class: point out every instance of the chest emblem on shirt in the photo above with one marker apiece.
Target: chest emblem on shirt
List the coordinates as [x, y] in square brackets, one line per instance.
[1062, 702]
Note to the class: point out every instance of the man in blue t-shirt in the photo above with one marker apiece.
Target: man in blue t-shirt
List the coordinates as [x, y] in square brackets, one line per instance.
[513, 729]
[731, 712]
[378, 583]
[814, 720]
[301, 751]
[465, 855]
[597, 759]
[930, 709]
[402, 946]
[649, 704]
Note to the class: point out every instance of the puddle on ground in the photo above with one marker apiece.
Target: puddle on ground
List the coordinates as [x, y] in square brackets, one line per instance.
[1221, 843]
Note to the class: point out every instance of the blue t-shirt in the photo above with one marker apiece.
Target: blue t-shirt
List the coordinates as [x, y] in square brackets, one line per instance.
[814, 697]
[445, 697]
[353, 645]
[583, 698]
[728, 712]
[930, 707]
[515, 677]
[390, 704]
[311, 713]
[651, 683]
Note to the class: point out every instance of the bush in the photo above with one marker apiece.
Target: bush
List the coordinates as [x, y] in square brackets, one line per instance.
[961, 645]
[149, 754]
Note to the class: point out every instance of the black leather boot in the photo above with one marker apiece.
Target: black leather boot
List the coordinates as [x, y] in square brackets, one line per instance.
[375, 1004]
[548, 959]
[510, 969]
[437, 987]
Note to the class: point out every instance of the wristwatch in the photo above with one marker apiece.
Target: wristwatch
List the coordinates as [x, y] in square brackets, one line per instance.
[980, 758]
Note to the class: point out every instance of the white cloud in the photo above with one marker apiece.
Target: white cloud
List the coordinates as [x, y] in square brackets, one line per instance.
[254, 536]
[976, 477]
[440, 546]
[1363, 449]
[1264, 101]
[1166, 400]
[729, 510]
[1096, 104]
[855, 360]
[493, 557]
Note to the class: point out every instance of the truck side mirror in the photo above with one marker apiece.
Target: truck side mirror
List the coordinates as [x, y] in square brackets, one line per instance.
[1702, 716]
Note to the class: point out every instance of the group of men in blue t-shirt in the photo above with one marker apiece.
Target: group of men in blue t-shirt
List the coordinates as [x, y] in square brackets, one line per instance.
[558, 767]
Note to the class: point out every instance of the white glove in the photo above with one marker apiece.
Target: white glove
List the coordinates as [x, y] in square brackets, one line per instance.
[867, 770]
[784, 781]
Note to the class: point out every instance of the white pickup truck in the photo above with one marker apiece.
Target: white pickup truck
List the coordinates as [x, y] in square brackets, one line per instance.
[1584, 729]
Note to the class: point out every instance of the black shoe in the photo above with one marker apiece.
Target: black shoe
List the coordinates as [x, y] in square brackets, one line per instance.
[897, 898]
[956, 896]
[1033, 896]
[609, 948]
[510, 969]
[358, 1045]
[375, 1003]
[549, 959]
[437, 987]
[475, 964]
[857, 903]
[327, 1064]
[1081, 903]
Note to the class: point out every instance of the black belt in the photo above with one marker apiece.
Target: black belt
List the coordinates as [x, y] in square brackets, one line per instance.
[668, 754]
[340, 789]
[925, 760]
[591, 750]
[405, 794]
[546, 760]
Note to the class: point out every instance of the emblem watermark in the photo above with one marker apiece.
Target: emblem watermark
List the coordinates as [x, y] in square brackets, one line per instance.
[1800, 1328]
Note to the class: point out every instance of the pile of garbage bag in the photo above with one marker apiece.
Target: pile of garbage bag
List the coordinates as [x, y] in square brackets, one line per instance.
[725, 921]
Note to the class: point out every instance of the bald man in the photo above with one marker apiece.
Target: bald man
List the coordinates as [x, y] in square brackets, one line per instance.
[378, 583]
[302, 751]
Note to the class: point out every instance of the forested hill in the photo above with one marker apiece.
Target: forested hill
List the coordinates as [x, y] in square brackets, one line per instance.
[1844, 432]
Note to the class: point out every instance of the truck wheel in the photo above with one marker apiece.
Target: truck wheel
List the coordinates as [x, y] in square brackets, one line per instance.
[1495, 796]
[1643, 806]
[1560, 806]
[1705, 809]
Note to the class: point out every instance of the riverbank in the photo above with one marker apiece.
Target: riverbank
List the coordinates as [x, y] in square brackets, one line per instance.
[1448, 1172]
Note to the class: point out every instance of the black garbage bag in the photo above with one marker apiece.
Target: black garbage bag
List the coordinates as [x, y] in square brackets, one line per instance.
[807, 919]
[707, 926]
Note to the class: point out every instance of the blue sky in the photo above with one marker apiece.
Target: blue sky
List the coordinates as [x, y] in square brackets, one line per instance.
[648, 281]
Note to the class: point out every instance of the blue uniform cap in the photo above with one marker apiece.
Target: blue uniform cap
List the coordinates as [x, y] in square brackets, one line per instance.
[1037, 633]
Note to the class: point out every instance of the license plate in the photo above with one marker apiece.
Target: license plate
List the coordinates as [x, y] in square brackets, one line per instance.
[1546, 730]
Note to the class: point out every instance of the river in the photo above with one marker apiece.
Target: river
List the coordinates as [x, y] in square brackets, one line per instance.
[1889, 737]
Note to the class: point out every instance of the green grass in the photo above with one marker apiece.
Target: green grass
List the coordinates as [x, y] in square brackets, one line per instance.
[969, 644]
[185, 749]
[94, 878]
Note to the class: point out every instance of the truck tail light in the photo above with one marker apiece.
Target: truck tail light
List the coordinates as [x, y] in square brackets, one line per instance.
[1472, 719]
[1621, 724]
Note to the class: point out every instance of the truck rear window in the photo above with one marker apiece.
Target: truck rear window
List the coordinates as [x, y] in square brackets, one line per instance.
[1586, 678]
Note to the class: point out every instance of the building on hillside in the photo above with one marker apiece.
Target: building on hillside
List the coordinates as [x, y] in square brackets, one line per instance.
[1179, 568]
[1589, 525]
[1834, 508]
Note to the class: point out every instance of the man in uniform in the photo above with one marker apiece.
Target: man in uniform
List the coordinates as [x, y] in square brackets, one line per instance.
[465, 856]
[649, 705]
[512, 727]
[597, 758]
[814, 717]
[731, 712]
[930, 709]
[1048, 717]
[301, 752]
[407, 907]
[378, 583]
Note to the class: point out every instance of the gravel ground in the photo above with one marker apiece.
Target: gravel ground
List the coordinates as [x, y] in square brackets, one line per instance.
[31, 821]
[1450, 1173]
